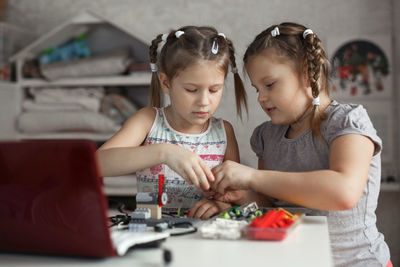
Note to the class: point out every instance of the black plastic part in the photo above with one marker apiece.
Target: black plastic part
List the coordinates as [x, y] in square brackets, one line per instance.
[167, 256]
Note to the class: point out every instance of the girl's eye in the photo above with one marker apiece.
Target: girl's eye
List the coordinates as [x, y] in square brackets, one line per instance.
[213, 91]
[269, 85]
[191, 90]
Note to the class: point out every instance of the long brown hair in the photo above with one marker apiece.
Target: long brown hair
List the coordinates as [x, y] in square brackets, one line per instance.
[307, 54]
[195, 44]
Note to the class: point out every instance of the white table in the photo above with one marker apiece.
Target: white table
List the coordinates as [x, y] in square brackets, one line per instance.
[308, 246]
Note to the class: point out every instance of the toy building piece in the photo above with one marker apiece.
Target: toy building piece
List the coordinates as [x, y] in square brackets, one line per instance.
[162, 194]
[137, 227]
[222, 228]
[153, 201]
[161, 227]
[149, 201]
[141, 213]
[248, 208]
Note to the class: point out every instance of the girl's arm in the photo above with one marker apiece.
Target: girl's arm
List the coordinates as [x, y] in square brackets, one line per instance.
[261, 199]
[242, 196]
[206, 208]
[338, 188]
[124, 153]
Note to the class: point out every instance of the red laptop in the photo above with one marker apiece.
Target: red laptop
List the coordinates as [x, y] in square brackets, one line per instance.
[52, 201]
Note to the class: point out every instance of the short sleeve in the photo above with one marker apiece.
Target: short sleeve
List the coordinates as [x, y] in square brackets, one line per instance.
[351, 119]
[257, 140]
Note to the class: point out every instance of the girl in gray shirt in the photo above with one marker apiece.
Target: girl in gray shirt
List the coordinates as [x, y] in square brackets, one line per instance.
[314, 152]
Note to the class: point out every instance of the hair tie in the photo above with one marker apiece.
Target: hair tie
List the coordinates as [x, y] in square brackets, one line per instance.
[234, 70]
[275, 32]
[153, 67]
[179, 33]
[164, 37]
[221, 34]
[315, 101]
[307, 32]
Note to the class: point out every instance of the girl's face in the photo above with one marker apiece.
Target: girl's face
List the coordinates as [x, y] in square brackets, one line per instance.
[195, 94]
[281, 94]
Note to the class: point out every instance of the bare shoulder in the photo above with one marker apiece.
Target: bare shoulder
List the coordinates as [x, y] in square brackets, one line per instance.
[135, 129]
[143, 116]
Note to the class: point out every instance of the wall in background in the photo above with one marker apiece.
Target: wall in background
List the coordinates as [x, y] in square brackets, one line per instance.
[239, 20]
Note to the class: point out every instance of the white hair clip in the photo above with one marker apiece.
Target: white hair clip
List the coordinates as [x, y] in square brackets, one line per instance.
[214, 48]
[307, 32]
[153, 67]
[164, 37]
[315, 101]
[179, 34]
[275, 32]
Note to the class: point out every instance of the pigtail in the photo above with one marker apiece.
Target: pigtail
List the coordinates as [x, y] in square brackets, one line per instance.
[155, 86]
[315, 61]
[240, 92]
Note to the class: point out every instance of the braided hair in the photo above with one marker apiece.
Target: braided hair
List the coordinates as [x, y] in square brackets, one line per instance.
[307, 54]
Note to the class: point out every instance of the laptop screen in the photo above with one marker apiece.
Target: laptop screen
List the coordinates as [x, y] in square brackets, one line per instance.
[51, 199]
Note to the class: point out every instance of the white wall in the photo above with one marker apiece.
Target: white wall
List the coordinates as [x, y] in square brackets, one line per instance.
[239, 20]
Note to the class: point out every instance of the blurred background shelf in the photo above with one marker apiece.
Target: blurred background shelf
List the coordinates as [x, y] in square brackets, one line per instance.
[390, 187]
[120, 185]
[127, 80]
[122, 70]
[74, 135]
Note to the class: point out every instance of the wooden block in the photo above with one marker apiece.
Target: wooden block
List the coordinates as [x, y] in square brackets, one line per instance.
[155, 210]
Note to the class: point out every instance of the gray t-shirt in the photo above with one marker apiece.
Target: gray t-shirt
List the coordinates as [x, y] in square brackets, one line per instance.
[355, 240]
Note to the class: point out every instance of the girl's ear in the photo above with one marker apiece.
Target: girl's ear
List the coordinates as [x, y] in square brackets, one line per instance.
[164, 81]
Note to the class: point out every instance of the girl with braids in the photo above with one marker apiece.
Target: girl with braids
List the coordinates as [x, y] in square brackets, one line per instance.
[183, 141]
[315, 152]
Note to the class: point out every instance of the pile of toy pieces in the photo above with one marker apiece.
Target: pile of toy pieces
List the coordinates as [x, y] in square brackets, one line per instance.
[250, 221]
[140, 221]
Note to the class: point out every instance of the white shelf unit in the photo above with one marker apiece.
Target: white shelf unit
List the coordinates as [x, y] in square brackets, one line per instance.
[84, 22]
[390, 187]
[128, 80]
[99, 137]
[12, 95]
[120, 185]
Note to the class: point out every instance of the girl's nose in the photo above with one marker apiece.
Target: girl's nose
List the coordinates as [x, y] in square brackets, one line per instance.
[262, 96]
[203, 98]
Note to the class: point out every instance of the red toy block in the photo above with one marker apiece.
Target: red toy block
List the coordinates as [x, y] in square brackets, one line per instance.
[160, 189]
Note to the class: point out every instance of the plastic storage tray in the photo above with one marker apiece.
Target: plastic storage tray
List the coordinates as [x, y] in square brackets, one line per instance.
[269, 233]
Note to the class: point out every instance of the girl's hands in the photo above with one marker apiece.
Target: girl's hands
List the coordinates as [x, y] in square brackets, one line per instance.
[206, 208]
[234, 196]
[230, 176]
[189, 166]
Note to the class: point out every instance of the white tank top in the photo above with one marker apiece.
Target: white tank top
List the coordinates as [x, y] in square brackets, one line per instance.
[209, 145]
